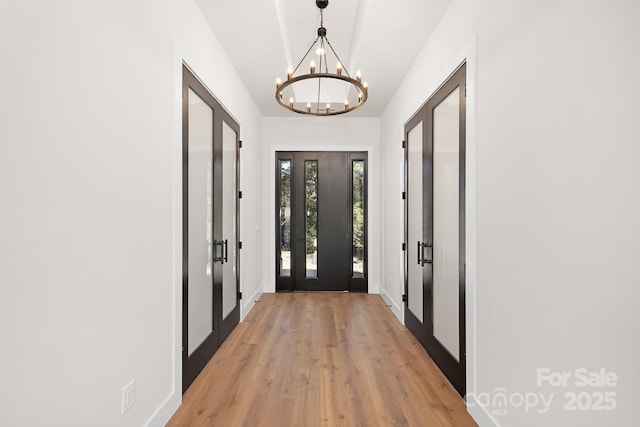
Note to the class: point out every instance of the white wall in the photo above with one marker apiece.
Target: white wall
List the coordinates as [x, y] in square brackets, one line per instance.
[89, 178]
[321, 134]
[557, 200]
[89, 162]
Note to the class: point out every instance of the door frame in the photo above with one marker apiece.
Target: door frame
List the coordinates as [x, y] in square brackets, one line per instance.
[373, 205]
[297, 158]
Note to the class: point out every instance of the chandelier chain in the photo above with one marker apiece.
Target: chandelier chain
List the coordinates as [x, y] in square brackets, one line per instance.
[344, 67]
[305, 55]
[318, 103]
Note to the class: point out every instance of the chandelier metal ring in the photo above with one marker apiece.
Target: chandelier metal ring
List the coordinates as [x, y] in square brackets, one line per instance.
[321, 111]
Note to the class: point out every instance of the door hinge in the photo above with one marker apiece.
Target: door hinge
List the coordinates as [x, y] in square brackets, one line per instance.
[239, 295]
[404, 298]
[240, 144]
[239, 245]
[239, 194]
[404, 144]
[404, 246]
[404, 195]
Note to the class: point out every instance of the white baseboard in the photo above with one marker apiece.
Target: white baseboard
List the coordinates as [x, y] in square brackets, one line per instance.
[171, 404]
[395, 308]
[477, 411]
[479, 414]
[164, 413]
[250, 303]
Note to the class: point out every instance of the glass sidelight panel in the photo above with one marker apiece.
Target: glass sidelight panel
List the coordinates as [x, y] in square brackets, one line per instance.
[446, 191]
[200, 220]
[358, 218]
[415, 291]
[229, 213]
[285, 217]
[311, 217]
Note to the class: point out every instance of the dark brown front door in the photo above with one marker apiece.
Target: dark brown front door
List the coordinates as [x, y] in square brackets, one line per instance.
[321, 221]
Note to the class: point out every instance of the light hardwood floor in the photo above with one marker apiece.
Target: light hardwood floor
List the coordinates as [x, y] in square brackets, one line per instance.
[303, 359]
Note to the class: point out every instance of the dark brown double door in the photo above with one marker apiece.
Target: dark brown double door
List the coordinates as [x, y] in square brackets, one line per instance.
[321, 221]
[210, 227]
[435, 158]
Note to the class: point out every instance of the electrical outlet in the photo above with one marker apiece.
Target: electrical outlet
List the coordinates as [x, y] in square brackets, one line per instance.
[128, 396]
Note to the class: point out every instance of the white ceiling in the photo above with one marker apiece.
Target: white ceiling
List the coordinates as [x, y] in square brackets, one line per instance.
[264, 37]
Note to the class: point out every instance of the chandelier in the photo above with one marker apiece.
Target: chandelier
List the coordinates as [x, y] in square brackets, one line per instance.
[320, 92]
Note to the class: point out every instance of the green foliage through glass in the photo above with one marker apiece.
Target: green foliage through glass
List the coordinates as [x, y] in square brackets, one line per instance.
[358, 217]
[285, 217]
[311, 207]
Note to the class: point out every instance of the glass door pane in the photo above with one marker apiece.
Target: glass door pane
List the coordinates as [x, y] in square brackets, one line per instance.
[311, 215]
[358, 218]
[446, 235]
[200, 220]
[415, 291]
[229, 212]
[285, 217]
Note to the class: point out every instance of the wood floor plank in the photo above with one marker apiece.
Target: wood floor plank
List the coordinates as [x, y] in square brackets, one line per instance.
[315, 359]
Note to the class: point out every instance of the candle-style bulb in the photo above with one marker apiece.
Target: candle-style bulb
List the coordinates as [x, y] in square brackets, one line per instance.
[358, 76]
[291, 102]
[346, 104]
[308, 107]
[366, 86]
[289, 73]
[278, 82]
[339, 69]
[312, 67]
[328, 107]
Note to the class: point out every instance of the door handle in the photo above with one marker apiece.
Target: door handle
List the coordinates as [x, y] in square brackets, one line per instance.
[427, 261]
[418, 252]
[226, 250]
[219, 259]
